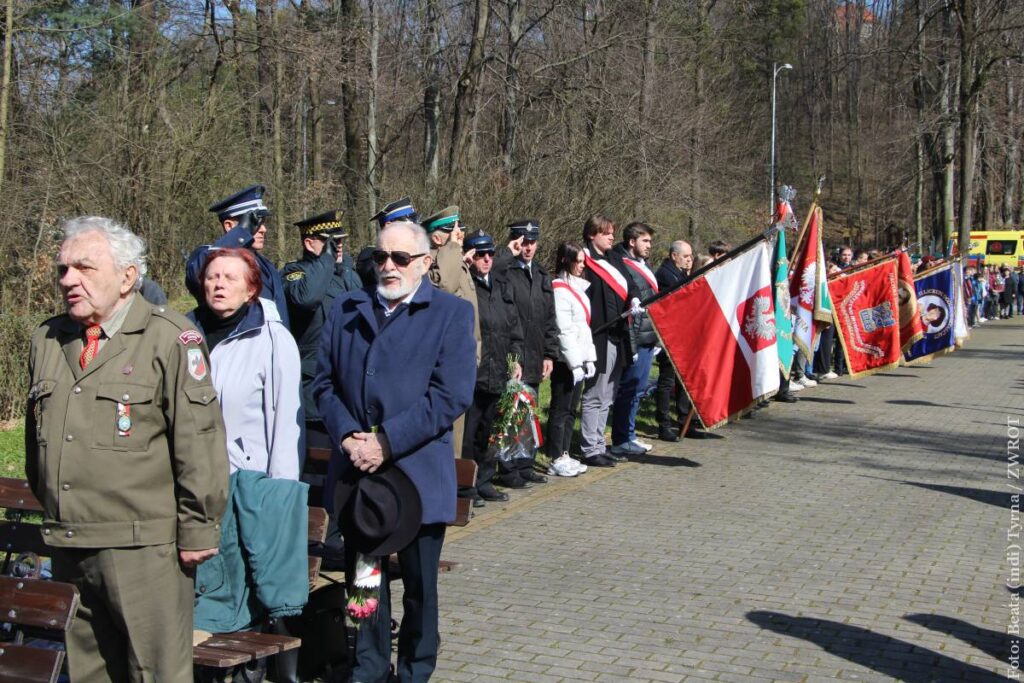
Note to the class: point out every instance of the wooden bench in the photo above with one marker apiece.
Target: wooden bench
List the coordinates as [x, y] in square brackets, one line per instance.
[38, 611]
[220, 650]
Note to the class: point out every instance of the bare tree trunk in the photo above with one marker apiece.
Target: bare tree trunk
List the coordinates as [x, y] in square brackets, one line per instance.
[277, 102]
[968, 119]
[510, 113]
[465, 94]
[352, 119]
[696, 129]
[432, 97]
[948, 132]
[647, 85]
[1010, 164]
[371, 110]
[5, 86]
[264, 19]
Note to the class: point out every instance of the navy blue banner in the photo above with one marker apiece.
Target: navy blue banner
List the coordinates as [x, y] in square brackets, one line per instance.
[936, 302]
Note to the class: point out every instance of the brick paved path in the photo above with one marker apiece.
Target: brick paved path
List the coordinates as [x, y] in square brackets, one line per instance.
[860, 534]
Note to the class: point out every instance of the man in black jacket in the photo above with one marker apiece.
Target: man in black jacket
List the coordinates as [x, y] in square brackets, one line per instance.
[673, 271]
[500, 335]
[634, 251]
[611, 293]
[535, 303]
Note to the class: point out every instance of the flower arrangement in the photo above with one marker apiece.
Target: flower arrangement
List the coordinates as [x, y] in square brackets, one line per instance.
[517, 430]
[364, 595]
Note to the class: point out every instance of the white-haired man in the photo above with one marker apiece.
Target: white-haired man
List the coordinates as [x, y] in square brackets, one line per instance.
[125, 447]
[396, 367]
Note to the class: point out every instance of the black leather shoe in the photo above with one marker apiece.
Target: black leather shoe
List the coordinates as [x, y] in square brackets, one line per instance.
[488, 492]
[598, 461]
[479, 502]
[668, 434]
[512, 481]
[786, 398]
[530, 475]
[694, 433]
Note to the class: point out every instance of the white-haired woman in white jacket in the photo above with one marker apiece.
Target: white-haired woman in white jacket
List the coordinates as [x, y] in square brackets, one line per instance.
[576, 357]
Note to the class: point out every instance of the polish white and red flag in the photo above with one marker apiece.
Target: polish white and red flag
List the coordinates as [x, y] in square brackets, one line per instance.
[719, 331]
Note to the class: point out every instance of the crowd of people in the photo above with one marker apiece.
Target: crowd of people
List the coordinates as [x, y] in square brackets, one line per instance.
[396, 360]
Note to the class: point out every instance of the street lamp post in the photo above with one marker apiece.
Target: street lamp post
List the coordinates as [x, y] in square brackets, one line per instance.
[776, 68]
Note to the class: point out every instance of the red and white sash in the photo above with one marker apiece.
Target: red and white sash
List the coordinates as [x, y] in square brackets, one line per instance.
[584, 301]
[645, 272]
[608, 274]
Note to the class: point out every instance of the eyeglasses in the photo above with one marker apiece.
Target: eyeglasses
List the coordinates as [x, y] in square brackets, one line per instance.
[400, 258]
[483, 254]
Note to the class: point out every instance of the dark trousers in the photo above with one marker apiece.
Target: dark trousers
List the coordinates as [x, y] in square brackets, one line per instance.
[479, 422]
[418, 635]
[823, 356]
[668, 383]
[565, 400]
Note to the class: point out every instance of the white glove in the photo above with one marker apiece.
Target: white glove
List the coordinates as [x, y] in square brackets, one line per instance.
[635, 308]
[577, 375]
[636, 356]
[657, 350]
[589, 369]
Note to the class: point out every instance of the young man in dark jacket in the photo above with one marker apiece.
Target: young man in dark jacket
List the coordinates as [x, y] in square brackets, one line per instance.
[611, 293]
[500, 335]
[535, 303]
[634, 250]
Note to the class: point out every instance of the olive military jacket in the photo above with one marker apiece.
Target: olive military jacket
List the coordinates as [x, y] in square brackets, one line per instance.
[449, 273]
[131, 451]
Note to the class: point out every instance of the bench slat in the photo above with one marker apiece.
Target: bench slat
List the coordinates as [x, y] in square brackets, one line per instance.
[42, 604]
[317, 525]
[218, 657]
[25, 664]
[16, 495]
[281, 643]
[232, 641]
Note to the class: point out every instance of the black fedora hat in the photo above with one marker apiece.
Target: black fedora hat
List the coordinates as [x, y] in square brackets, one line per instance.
[378, 513]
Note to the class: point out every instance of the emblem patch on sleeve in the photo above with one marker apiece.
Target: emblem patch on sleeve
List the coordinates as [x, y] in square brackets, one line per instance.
[294, 275]
[190, 337]
[196, 364]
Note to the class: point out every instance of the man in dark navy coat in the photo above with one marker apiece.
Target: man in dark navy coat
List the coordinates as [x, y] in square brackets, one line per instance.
[396, 367]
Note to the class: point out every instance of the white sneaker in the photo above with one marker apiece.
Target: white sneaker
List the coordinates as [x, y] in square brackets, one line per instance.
[643, 444]
[795, 387]
[563, 467]
[807, 382]
[580, 467]
[984, 320]
[829, 375]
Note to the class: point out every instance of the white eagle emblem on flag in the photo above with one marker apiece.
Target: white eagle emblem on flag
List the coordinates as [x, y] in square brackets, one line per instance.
[759, 322]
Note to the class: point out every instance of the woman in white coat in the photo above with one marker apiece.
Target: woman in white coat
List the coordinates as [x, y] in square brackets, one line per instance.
[255, 367]
[576, 357]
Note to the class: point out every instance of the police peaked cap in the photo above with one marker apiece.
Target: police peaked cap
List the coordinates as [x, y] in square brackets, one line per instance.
[444, 220]
[396, 211]
[527, 228]
[327, 224]
[480, 241]
[243, 201]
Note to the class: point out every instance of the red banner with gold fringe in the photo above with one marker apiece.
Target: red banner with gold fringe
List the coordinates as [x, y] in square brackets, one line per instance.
[867, 315]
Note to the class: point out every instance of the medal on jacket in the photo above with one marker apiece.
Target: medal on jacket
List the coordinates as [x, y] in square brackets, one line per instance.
[124, 420]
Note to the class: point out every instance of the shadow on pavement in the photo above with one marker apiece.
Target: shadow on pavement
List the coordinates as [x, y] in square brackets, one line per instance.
[993, 643]
[899, 659]
[998, 498]
[820, 399]
[664, 460]
[896, 374]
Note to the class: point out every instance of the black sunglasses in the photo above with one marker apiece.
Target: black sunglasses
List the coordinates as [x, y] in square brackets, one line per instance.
[400, 258]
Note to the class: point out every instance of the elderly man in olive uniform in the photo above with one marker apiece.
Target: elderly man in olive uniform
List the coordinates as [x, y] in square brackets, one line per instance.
[125, 447]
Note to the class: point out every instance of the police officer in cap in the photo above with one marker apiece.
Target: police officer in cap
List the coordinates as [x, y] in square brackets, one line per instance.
[501, 335]
[310, 287]
[535, 301]
[243, 217]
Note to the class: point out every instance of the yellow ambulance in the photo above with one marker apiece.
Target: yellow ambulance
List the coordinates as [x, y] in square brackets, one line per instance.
[995, 248]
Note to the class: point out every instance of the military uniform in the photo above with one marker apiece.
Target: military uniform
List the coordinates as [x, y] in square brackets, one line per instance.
[310, 286]
[128, 458]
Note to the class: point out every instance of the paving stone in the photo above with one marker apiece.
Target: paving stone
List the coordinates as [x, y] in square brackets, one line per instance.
[857, 535]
